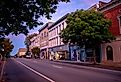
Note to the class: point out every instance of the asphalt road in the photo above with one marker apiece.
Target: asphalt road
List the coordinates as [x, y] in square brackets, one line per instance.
[32, 70]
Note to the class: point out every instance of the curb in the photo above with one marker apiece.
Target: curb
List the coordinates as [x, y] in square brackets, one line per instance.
[89, 66]
[2, 70]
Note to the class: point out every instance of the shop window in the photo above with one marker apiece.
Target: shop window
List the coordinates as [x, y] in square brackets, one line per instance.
[109, 51]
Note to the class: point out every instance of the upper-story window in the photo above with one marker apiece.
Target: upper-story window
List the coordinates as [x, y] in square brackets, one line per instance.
[63, 25]
[54, 31]
[60, 27]
[47, 34]
[44, 34]
[120, 21]
[57, 29]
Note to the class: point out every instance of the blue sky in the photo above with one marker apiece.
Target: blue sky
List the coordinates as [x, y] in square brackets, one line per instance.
[62, 9]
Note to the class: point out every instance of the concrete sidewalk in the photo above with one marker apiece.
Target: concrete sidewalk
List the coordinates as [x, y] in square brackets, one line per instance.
[89, 64]
[2, 65]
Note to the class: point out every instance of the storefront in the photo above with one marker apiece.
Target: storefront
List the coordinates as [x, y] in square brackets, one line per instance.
[59, 53]
[76, 53]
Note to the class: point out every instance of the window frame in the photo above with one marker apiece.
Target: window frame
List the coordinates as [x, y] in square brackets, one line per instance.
[119, 21]
[109, 54]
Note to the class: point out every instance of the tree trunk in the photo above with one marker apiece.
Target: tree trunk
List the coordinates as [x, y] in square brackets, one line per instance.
[94, 56]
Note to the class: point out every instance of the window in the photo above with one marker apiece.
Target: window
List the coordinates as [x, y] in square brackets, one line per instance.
[44, 34]
[47, 34]
[60, 41]
[54, 31]
[63, 25]
[120, 21]
[109, 51]
[119, 17]
[54, 41]
[57, 30]
[60, 27]
[57, 40]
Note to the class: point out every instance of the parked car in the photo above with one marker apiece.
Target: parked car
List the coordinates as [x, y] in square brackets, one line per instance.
[28, 56]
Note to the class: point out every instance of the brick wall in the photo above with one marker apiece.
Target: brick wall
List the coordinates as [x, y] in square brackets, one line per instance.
[113, 14]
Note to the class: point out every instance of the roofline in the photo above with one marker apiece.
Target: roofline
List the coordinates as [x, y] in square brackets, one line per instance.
[58, 21]
[109, 4]
[98, 5]
[44, 26]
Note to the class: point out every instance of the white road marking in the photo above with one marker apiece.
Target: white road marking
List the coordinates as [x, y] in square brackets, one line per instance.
[35, 61]
[47, 78]
[56, 66]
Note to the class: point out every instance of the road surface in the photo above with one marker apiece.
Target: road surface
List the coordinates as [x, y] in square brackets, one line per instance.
[35, 70]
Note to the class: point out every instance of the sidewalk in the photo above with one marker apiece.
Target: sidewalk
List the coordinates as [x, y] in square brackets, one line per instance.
[89, 64]
[2, 64]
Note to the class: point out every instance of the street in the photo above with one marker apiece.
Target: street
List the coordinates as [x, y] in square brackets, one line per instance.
[35, 70]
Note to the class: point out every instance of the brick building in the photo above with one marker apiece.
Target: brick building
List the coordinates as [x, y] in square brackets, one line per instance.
[111, 52]
[43, 34]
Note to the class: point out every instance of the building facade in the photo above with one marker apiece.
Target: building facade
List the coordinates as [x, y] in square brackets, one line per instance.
[89, 52]
[43, 34]
[97, 6]
[57, 49]
[21, 52]
[111, 52]
[35, 41]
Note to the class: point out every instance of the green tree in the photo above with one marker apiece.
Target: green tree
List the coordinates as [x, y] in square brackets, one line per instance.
[27, 41]
[87, 28]
[17, 16]
[36, 52]
[6, 47]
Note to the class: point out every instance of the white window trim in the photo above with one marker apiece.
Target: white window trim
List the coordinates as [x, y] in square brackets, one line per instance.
[119, 23]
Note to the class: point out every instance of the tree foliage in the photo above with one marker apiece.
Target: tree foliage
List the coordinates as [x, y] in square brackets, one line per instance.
[27, 39]
[17, 16]
[36, 52]
[86, 27]
[6, 47]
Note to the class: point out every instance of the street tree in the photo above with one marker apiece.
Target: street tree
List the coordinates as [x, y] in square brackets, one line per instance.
[6, 47]
[27, 41]
[35, 52]
[87, 28]
[18, 16]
